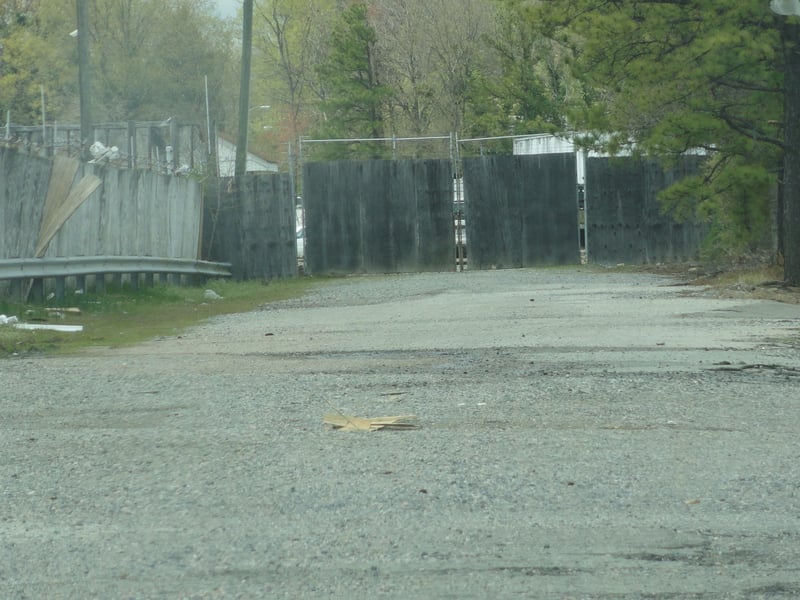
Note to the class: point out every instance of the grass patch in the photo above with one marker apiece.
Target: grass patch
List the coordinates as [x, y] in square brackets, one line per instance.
[125, 316]
[744, 276]
[764, 283]
[754, 280]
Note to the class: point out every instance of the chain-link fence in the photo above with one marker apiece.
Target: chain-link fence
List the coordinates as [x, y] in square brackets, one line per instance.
[163, 146]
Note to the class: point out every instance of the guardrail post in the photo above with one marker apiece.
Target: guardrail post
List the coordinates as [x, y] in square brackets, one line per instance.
[100, 283]
[16, 289]
[61, 287]
[36, 293]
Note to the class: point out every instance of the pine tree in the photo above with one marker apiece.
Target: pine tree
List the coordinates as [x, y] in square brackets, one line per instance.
[354, 102]
[672, 76]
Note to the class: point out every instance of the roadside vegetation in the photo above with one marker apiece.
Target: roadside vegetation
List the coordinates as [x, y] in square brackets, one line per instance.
[122, 317]
[758, 279]
[757, 283]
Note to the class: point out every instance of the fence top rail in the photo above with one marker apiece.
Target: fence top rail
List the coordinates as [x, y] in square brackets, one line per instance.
[423, 138]
[497, 137]
[381, 139]
[109, 125]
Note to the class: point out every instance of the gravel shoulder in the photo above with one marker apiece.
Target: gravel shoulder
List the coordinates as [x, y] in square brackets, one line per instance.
[583, 435]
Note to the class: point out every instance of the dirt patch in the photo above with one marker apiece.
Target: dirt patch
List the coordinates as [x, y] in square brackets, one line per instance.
[757, 281]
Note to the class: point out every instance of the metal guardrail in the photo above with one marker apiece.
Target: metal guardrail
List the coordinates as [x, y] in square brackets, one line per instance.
[34, 268]
[16, 270]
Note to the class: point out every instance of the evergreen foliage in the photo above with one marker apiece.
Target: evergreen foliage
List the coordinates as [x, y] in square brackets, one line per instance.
[676, 76]
[355, 100]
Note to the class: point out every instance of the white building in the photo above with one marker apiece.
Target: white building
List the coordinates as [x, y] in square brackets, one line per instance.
[546, 143]
[226, 159]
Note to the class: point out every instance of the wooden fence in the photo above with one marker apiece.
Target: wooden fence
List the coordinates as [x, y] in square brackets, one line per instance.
[62, 208]
[519, 211]
[624, 220]
[250, 222]
[379, 216]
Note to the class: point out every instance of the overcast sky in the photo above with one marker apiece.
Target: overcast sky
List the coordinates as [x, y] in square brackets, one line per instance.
[228, 8]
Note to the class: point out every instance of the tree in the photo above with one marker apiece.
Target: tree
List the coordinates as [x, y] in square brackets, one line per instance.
[36, 53]
[407, 58]
[457, 35]
[354, 95]
[672, 76]
[290, 39]
[150, 58]
[430, 51]
[528, 91]
[790, 40]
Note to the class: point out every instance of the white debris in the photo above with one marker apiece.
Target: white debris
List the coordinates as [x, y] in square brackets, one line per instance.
[100, 151]
[4, 320]
[47, 326]
[785, 7]
[211, 295]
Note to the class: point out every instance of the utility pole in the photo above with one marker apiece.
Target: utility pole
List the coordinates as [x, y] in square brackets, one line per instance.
[790, 36]
[84, 77]
[244, 89]
[790, 186]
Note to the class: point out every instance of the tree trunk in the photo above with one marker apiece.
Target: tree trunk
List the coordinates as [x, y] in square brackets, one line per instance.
[790, 33]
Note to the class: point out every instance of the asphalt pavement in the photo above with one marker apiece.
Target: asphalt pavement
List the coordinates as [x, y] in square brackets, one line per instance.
[582, 434]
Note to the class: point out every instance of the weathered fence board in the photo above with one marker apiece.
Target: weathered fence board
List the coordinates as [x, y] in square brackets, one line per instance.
[131, 213]
[250, 223]
[134, 213]
[23, 188]
[378, 216]
[58, 210]
[521, 210]
[624, 221]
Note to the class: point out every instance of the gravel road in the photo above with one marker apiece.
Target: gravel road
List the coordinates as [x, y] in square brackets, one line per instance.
[582, 435]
